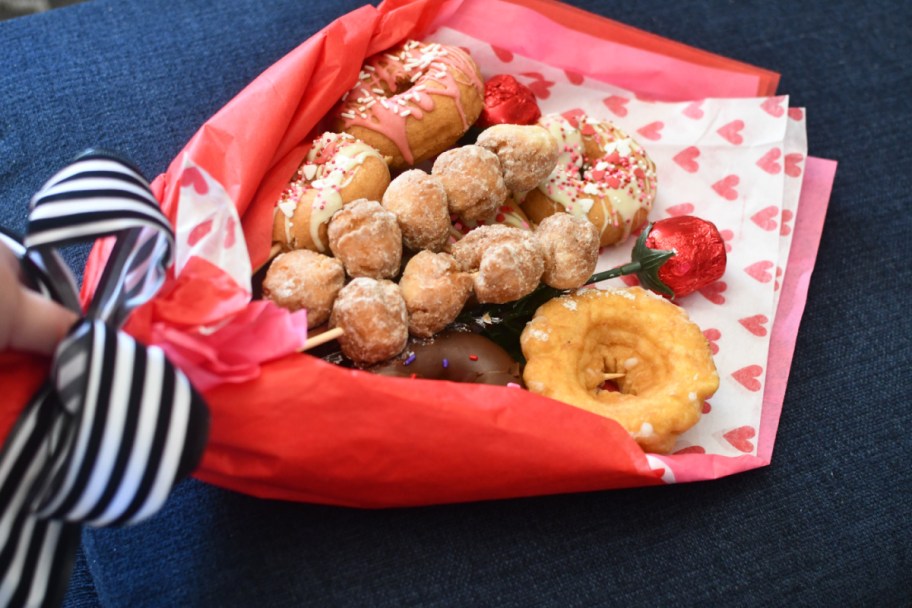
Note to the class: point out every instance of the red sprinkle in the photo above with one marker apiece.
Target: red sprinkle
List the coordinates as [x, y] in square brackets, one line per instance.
[473, 357]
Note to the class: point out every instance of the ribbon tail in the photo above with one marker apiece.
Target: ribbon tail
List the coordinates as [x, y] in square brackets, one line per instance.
[37, 556]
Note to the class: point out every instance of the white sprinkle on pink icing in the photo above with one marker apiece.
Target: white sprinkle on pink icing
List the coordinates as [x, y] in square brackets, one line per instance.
[409, 63]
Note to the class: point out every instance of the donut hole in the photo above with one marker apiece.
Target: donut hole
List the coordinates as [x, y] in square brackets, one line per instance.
[610, 386]
[614, 379]
[619, 363]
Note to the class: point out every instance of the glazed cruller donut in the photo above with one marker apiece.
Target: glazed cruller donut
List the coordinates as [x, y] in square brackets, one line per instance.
[657, 356]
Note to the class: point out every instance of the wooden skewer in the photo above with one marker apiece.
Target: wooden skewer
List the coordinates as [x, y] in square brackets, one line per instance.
[323, 338]
[612, 376]
[317, 340]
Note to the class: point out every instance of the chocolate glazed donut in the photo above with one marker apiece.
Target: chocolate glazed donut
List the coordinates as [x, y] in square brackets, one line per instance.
[455, 355]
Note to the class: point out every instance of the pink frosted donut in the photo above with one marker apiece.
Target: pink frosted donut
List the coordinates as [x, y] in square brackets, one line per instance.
[413, 101]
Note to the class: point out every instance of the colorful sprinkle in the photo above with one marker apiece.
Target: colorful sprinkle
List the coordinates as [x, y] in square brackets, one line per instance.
[473, 357]
[446, 362]
[409, 359]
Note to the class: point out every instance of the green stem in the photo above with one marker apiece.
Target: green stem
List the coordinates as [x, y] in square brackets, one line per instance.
[619, 271]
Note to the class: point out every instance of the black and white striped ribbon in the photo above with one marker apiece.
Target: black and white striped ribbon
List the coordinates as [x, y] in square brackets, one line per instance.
[115, 426]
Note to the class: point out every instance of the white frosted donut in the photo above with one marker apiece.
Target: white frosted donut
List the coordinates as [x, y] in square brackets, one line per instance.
[338, 169]
[602, 173]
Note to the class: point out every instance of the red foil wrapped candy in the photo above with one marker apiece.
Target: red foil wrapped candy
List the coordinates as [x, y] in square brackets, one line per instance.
[507, 101]
[699, 253]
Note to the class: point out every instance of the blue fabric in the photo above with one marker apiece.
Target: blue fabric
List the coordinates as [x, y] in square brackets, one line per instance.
[828, 523]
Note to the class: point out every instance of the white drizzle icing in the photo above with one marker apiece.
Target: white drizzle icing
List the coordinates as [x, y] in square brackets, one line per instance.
[577, 185]
[327, 180]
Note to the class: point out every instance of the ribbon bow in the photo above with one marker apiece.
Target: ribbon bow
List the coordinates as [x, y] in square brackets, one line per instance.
[115, 425]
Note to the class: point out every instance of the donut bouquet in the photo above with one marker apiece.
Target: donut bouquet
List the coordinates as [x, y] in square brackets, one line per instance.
[447, 266]
[569, 185]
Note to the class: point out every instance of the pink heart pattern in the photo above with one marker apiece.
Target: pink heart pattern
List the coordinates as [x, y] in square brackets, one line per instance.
[192, 176]
[573, 115]
[766, 218]
[731, 132]
[755, 324]
[727, 187]
[773, 106]
[713, 292]
[503, 54]
[748, 377]
[540, 87]
[792, 166]
[693, 110]
[616, 104]
[574, 77]
[760, 271]
[693, 449]
[652, 131]
[740, 438]
[787, 216]
[796, 114]
[687, 159]
[768, 162]
[229, 233]
[712, 335]
[682, 209]
[198, 232]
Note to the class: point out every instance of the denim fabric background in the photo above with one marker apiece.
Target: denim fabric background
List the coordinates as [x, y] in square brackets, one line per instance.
[828, 523]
